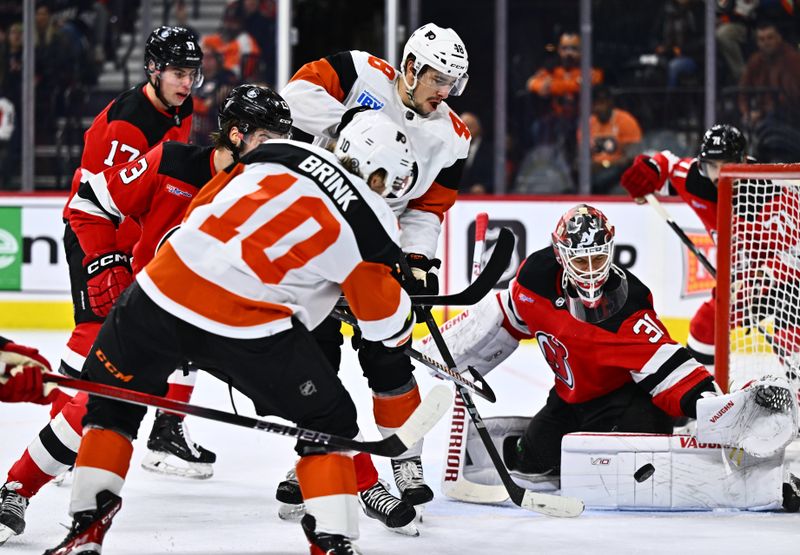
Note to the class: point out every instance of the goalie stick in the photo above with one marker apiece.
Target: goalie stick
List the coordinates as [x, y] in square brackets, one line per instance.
[551, 505]
[656, 204]
[477, 385]
[426, 415]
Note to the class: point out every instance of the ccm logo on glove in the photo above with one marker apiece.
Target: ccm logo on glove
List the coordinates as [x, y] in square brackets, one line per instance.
[106, 261]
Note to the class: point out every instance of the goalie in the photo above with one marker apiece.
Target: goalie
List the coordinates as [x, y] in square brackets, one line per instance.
[616, 368]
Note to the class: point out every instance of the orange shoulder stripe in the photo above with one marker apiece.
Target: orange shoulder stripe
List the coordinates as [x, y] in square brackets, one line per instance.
[321, 73]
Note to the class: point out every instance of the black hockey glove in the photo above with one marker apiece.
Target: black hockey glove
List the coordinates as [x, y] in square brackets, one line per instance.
[424, 279]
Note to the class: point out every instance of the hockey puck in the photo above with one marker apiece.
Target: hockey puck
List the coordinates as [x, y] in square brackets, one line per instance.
[644, 472]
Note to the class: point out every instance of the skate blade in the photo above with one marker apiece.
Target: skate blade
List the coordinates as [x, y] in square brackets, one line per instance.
[6, 533]
[169, 465]
[291, 512]
[409, 529]
[420, 512]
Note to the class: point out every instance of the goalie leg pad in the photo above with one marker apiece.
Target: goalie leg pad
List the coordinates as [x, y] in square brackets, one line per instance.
[476, 337]
[662, 472]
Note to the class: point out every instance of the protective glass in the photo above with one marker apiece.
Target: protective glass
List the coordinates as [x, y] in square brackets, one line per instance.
[179, 75]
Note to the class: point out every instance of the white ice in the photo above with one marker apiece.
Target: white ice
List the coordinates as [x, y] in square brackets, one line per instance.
[236, 512]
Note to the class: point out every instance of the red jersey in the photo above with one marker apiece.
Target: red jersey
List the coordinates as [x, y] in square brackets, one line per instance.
[127, 128]
[153, 190]
[681, 176]
[592, 360]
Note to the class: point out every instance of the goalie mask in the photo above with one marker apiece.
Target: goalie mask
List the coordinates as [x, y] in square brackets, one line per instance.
[583, 242]
[440, 49]
[373, 142]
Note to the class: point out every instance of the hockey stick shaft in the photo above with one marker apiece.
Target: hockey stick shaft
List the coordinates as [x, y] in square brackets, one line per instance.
[418, 424]
[481, 224]
[478, 289]
[552, 505]
[479, 385]
[659, 208]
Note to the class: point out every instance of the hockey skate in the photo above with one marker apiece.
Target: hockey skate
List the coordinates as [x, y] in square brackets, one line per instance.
[322, 543]
[12, 513]
[89, 527]
[410, 481]
[395, 514]
[172, 452]
[290, 498]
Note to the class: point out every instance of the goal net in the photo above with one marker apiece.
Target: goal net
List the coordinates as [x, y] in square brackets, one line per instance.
[758, 274]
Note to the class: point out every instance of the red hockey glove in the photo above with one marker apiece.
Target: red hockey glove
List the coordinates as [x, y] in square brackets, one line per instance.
[14, 354]
[24, 384]
[642, 178]
[107, 276]
[21, 370]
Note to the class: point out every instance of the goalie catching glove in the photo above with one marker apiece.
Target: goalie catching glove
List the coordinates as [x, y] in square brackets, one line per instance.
[21, 370]
[761, 418]
[107, 276]
[642, 178]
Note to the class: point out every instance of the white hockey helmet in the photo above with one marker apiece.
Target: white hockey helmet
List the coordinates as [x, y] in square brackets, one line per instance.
[374, 142]
[443, 50]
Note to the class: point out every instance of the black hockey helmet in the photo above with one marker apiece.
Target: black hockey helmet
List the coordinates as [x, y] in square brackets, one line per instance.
[723, 142]
[172, 46]
[256, 107]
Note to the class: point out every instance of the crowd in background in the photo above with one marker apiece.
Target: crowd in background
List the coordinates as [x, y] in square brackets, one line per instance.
[647, 84]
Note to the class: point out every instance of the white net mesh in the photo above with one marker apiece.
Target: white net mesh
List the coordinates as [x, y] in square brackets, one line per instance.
[764, 262]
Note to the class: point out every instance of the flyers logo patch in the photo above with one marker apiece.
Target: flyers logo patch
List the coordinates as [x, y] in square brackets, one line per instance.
[555, 353]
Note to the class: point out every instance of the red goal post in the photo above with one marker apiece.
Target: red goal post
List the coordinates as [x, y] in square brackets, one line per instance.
[757, 328]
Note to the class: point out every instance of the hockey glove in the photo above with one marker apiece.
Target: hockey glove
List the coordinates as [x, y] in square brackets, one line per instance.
[424, 279]
[21, 375]
[642, 178]
[107, 276]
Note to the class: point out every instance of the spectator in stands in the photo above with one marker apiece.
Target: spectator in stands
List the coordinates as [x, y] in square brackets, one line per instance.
[56, 67]
[258, 18]
[217, 83]
[733, 29]
[770, 98]
[12, 90]
[561, 84]
[682, 38]
[478, 175]
[240, 52]
[614, 135]
[182, 17]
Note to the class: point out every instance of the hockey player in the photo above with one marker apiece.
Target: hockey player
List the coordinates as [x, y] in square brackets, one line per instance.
[695, 180]
[245, 312]
[434, 67]
[137, 120]
[21, 370]
[615, 366]
[154, 191]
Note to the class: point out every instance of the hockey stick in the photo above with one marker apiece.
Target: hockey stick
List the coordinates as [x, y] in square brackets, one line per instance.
[656, 204]
[426, 415]
[477, 385]
[551, 505]
[478, 289]
[454, 482]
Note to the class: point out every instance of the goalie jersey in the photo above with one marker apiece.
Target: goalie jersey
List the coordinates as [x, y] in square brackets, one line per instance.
[281, 236]
[592, 360]
[320, 93]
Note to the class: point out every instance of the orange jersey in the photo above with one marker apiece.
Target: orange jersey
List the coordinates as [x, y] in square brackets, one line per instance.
[610, 139]
[279, 237]
[243, 46]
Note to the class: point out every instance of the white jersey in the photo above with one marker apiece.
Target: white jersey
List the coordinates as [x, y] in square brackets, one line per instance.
[320, 93]
[279, 237]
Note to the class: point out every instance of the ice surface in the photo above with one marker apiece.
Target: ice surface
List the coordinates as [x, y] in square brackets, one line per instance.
[235, 511]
